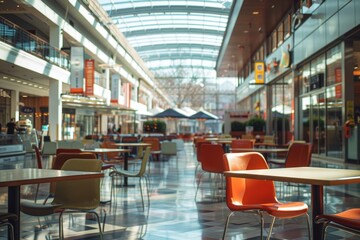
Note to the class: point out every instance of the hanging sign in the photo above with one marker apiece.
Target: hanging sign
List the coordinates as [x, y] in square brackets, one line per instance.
[259, 72]
[77, 70]
[89, 77]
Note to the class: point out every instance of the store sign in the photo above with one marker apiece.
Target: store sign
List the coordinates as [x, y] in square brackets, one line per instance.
[259, 72]
[89, 77]
[273, 66]
[77, 70]
[27, 110]
[115, 88]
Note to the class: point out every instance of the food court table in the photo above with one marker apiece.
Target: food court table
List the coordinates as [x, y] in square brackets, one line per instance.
[14, 178]
[104, 151]
[264, 151]
[127, 146]
[316, 177]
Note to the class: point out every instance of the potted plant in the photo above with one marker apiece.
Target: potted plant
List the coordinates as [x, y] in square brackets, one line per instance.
[154, 126]
[237, 129]
[257, 123]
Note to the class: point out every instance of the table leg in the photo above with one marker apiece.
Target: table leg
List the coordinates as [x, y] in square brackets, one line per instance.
[126, 167]
[317, 208]
[14, 207]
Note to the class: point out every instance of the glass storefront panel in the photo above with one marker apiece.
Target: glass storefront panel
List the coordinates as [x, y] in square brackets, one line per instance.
[282, 109]
[321, 110]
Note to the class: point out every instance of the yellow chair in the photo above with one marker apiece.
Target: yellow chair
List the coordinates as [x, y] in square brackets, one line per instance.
[5, 221]
[72, 196]
[141, 174]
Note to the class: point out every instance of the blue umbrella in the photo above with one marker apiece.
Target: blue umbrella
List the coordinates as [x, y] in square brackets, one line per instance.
[170, 113]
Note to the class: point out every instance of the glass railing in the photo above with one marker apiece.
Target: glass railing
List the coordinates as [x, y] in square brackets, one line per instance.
[22, 39]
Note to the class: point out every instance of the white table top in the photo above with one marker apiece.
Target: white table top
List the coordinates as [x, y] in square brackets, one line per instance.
[307, 175]
[17, 177]
[261, 150]
[105, 150]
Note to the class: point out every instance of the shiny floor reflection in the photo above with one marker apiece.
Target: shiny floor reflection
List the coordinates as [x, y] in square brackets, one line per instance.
[173, 212]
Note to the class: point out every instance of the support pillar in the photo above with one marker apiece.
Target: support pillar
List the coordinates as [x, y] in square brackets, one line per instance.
[55, 110]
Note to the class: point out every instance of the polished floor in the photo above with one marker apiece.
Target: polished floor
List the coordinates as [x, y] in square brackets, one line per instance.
[174, 213]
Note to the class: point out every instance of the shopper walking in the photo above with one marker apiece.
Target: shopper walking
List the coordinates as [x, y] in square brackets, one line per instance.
[11, 126]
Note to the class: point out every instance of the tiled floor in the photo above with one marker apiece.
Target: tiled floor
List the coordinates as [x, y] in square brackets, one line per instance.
[173, 212]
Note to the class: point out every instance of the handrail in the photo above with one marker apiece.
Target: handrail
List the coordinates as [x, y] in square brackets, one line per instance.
[24, 40]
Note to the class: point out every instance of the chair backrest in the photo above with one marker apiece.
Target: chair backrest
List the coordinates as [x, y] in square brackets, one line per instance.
[38, 157]
[110, 144]
[155, 143]
[269, 139]
[67, 150]
[212, 158]
[144, 161]
[83, 194]
[242, 191]
[61, 158]
[247, 136]
[299, 155]
[168, 148]
[241, 143]
[49, 148]
[198, 148]
[129, 139]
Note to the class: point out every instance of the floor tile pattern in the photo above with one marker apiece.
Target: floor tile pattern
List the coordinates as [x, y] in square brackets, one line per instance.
[174, 213]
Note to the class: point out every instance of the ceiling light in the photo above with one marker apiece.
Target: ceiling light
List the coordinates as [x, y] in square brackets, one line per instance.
[255, 13]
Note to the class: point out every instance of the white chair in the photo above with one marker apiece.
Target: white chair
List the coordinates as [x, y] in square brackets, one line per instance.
[49, 149]
[168, 149]
[180, 146]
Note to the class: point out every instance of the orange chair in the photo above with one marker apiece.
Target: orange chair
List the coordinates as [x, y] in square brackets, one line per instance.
[299, 155]
[348, 220]
[59, 161]
[155, 146]
[256, 195]
[198, 145]
[241, 143]
[67, 150]
[211, 157]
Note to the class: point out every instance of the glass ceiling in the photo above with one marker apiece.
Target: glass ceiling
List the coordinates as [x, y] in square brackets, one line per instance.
[170, 34]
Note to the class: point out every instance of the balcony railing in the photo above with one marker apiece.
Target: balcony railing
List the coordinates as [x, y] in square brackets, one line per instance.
[22, 39]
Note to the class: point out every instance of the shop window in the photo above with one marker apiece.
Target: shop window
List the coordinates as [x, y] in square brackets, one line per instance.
[333, 68]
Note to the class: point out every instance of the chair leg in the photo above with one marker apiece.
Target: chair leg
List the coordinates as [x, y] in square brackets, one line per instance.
[99, 224]
[271, 228]
[226, 224]
[308, 225]
[61, 227]
[141, 193]
[198, 184]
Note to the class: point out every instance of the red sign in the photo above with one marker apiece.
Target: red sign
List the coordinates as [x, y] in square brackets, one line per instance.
[89, 77]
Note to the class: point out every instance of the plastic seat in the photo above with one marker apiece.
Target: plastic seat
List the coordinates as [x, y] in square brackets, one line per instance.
[5, 221]
[68, 150]
[241, 143]
[348, 220]
[71, 196]
[168, 149]
[155, 146]
[49, 148]
[141, 174]
[211, 157]
[299, 155]
[60, 160]
[254, 195]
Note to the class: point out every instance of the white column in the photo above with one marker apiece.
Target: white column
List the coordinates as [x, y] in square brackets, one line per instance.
[106, 74]
[14, 105]
[55, 110]
[56, 37]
